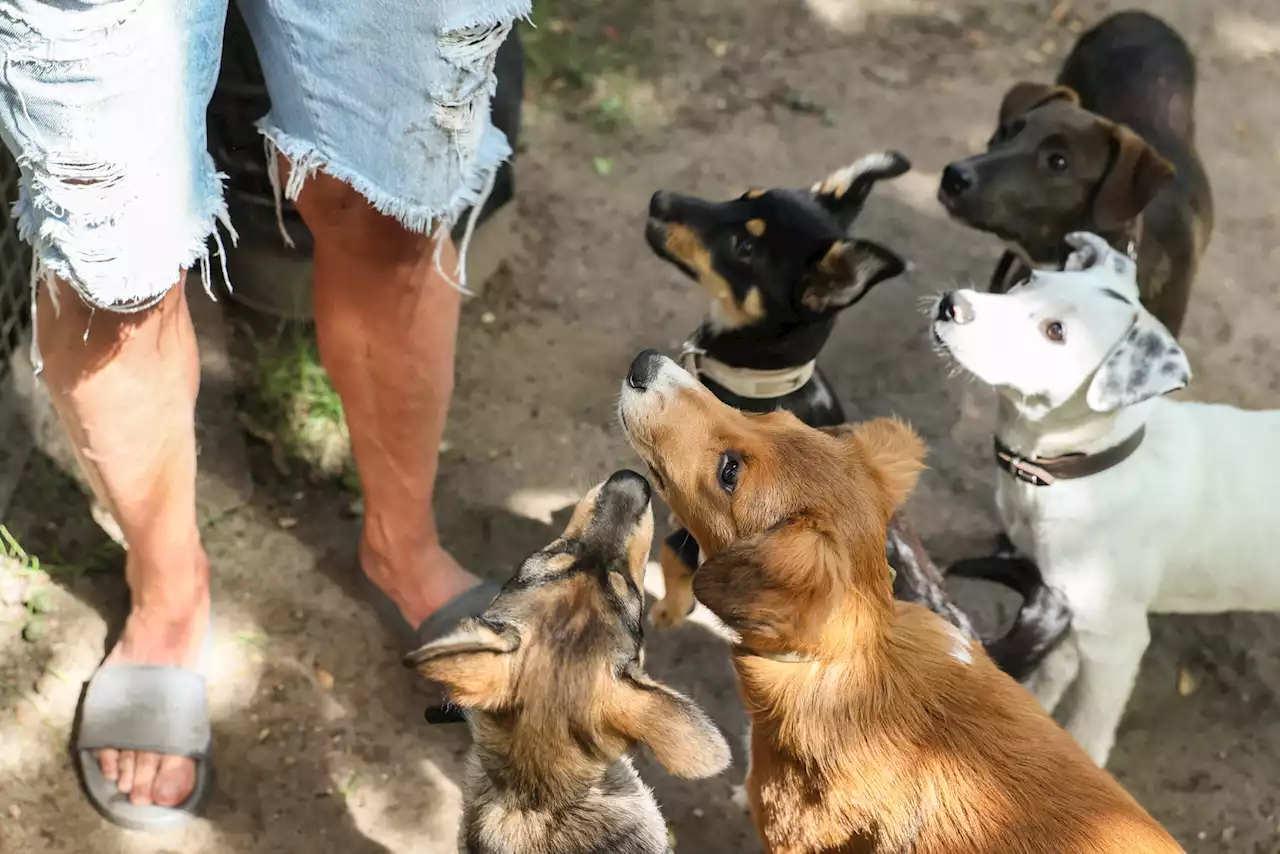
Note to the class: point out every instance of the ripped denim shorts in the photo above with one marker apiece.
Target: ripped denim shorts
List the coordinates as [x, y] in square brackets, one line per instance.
[102, 103]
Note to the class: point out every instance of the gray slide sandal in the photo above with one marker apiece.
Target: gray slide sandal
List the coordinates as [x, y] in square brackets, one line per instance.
[152, 708]
[469, 603]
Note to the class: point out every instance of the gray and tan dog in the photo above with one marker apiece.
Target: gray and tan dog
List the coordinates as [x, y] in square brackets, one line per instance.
[552, 681]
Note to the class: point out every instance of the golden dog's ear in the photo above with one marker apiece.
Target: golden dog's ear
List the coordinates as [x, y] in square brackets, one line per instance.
[473, 662]
[772, 584]
[1137, 173]
[894, 452]
[1025, 97]
[671, 725]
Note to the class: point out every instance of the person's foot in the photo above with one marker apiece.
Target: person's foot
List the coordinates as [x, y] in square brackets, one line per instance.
[419, 584]
[171, 636]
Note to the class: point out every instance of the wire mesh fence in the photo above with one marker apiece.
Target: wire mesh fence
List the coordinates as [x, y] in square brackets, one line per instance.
[15, 270]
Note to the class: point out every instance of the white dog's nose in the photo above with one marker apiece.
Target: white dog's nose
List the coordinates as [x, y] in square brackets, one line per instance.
[954, 308]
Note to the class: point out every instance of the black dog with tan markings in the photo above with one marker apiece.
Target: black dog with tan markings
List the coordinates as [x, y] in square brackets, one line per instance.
[552, 681]
[779, 266]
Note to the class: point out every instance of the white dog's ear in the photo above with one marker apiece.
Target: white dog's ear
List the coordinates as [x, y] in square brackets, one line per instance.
[1090, 250]
[1147, 362]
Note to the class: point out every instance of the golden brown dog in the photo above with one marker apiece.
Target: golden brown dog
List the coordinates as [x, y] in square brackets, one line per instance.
[876, 725]
[552, 680]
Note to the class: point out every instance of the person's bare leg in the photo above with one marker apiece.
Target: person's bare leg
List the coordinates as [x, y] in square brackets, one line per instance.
[386, 323]
[127, 400]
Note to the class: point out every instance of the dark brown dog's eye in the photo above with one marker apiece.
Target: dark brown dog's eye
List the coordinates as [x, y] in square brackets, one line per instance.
[742, 248]
[730, 468]
[1055, 332]
[1057, 162]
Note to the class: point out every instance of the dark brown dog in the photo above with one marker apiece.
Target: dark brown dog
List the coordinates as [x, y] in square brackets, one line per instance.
[1110, 150]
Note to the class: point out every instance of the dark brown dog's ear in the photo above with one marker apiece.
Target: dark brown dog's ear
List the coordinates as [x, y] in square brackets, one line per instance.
[473, 662]
[1025, 97]
[771, 584]
[671, 725]
[846, 273]
[845, 190]
[895, 454]
[1137, 173]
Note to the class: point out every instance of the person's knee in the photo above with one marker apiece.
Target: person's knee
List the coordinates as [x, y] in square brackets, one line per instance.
[339, 217]
[77, 339]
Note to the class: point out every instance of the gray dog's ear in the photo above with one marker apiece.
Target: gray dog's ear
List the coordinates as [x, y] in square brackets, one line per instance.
[844, 191]
[1147, 362]
[845, 274]
[1025, 97]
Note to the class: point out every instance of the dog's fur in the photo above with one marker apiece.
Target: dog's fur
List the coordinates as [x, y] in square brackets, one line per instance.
[876, 725]
[1121, 118]
[1185, 524]
[779, 266]
[553, 683]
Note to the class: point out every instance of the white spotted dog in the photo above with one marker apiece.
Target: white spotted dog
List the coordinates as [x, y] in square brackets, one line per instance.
[1129, 502]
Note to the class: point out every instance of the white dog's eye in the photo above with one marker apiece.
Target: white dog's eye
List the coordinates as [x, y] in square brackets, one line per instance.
[1054, 331]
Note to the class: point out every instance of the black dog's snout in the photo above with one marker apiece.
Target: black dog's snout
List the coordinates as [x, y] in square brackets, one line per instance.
[954, 308]
[660, 204]
[643, 369]
[958, 179]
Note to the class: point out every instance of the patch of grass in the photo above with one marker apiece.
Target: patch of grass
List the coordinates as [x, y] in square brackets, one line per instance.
[586, 55]
[16, 556]
[291, 405]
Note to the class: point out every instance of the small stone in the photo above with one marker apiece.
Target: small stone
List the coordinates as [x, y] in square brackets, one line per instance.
[264, 734]
[488, 317]
[324, 679]
[290, 761]
[356, 507]
[698, 813]
[33, 631]
[15, 811]
[287, 522]
[717, 47]
[1186, 682]
[1228, 833]
[888, 75]
[1202, 836]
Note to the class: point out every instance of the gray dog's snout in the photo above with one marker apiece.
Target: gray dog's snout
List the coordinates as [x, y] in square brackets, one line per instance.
[954, 308]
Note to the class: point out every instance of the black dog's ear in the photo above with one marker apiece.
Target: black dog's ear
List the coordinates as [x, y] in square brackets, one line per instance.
[844, 191]
[845, 274]
[1025, 97]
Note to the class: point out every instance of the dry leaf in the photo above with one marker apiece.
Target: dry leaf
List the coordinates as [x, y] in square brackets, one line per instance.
[325, 679]
[1186, 682]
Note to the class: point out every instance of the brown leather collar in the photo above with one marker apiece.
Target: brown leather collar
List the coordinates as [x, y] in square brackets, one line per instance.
[1043, 471]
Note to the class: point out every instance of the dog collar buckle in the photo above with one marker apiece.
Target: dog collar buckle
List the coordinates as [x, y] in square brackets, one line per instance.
[691, 356]
[1024, 470]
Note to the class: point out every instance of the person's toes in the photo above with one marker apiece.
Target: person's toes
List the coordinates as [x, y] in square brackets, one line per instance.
[144, 777]
[175, 781]
[109, 764]
[124, 782]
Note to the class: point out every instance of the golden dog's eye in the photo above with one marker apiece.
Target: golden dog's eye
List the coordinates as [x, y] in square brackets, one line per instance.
[730, 468]
[1055, 332]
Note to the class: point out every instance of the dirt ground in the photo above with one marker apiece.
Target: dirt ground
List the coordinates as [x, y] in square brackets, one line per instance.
[319, 742]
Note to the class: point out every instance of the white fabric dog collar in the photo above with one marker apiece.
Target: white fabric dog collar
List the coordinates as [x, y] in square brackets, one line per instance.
[745, 382]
